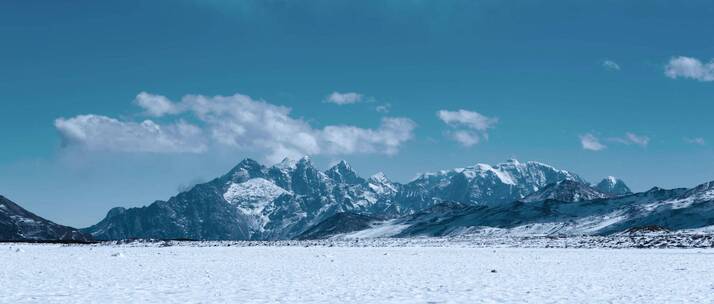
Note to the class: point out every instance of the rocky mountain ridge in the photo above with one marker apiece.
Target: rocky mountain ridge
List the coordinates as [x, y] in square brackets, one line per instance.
[255, 202]
[575, 209]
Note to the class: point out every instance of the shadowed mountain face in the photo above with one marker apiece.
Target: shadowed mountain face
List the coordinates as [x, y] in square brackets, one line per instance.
[254, 202]
[295, 200]
[671, 209]
[18, 224]
[567, 191]
[343, 222]
[574, 209]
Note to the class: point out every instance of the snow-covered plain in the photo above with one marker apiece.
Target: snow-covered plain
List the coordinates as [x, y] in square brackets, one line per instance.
[218, 273]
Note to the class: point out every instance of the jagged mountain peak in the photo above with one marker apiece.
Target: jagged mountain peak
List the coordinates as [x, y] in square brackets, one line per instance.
[380, 177]
[248, 163]
[341, 166]
[246, 169]
[291, 164]
[305, 160]
[567, 190]
[343, 173]
[286, 163]
[305, 164]
[613, 185]
[380, 184]
[344, 164]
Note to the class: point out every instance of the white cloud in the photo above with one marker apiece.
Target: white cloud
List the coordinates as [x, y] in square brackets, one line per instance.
[465, 138]
[386, 139]
[696, 141]
[687, 67]
[240, 122]
[639, 140]
[632, 138]
[384, 108]
[96, 132]
[590, 142]
[469, 127]
[236, 121]
[469, 119]
[611, 65]
[344, 98]
[155, 105]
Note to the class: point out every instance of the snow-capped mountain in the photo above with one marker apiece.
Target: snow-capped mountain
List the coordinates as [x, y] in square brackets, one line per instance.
[282, 201]
[343, 173]
[582, 212]
[18, 224]
[613, 185]
[481, 184]
[252, 202]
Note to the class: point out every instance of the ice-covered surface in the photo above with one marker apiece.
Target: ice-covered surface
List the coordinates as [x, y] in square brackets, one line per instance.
[218, 273]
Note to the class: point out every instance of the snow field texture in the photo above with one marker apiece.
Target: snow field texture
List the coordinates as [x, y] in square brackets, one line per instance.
[223, 274]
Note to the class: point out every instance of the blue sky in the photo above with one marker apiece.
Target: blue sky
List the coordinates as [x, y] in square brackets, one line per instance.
[622, 88]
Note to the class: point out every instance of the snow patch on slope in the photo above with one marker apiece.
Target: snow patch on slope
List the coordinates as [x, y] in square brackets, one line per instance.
[378, 230]
[483, 170]
[253, 195]
[380, 184]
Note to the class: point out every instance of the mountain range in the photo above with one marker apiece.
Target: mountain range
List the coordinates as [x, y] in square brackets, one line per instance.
[560, 209]
[295, 200]
[256, 202]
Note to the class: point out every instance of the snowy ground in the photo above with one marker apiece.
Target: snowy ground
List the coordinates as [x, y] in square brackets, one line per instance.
[280, 274]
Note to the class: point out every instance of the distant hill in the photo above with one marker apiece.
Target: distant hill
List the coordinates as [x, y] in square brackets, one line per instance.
[18, 224]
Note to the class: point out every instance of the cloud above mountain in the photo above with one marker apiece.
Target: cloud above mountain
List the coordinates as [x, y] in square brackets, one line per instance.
[688, 67]
[155, 105]
[197, 123]
[467, 127]
[344, 98]
[590, 142]
[96, 132]
[631, 138]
